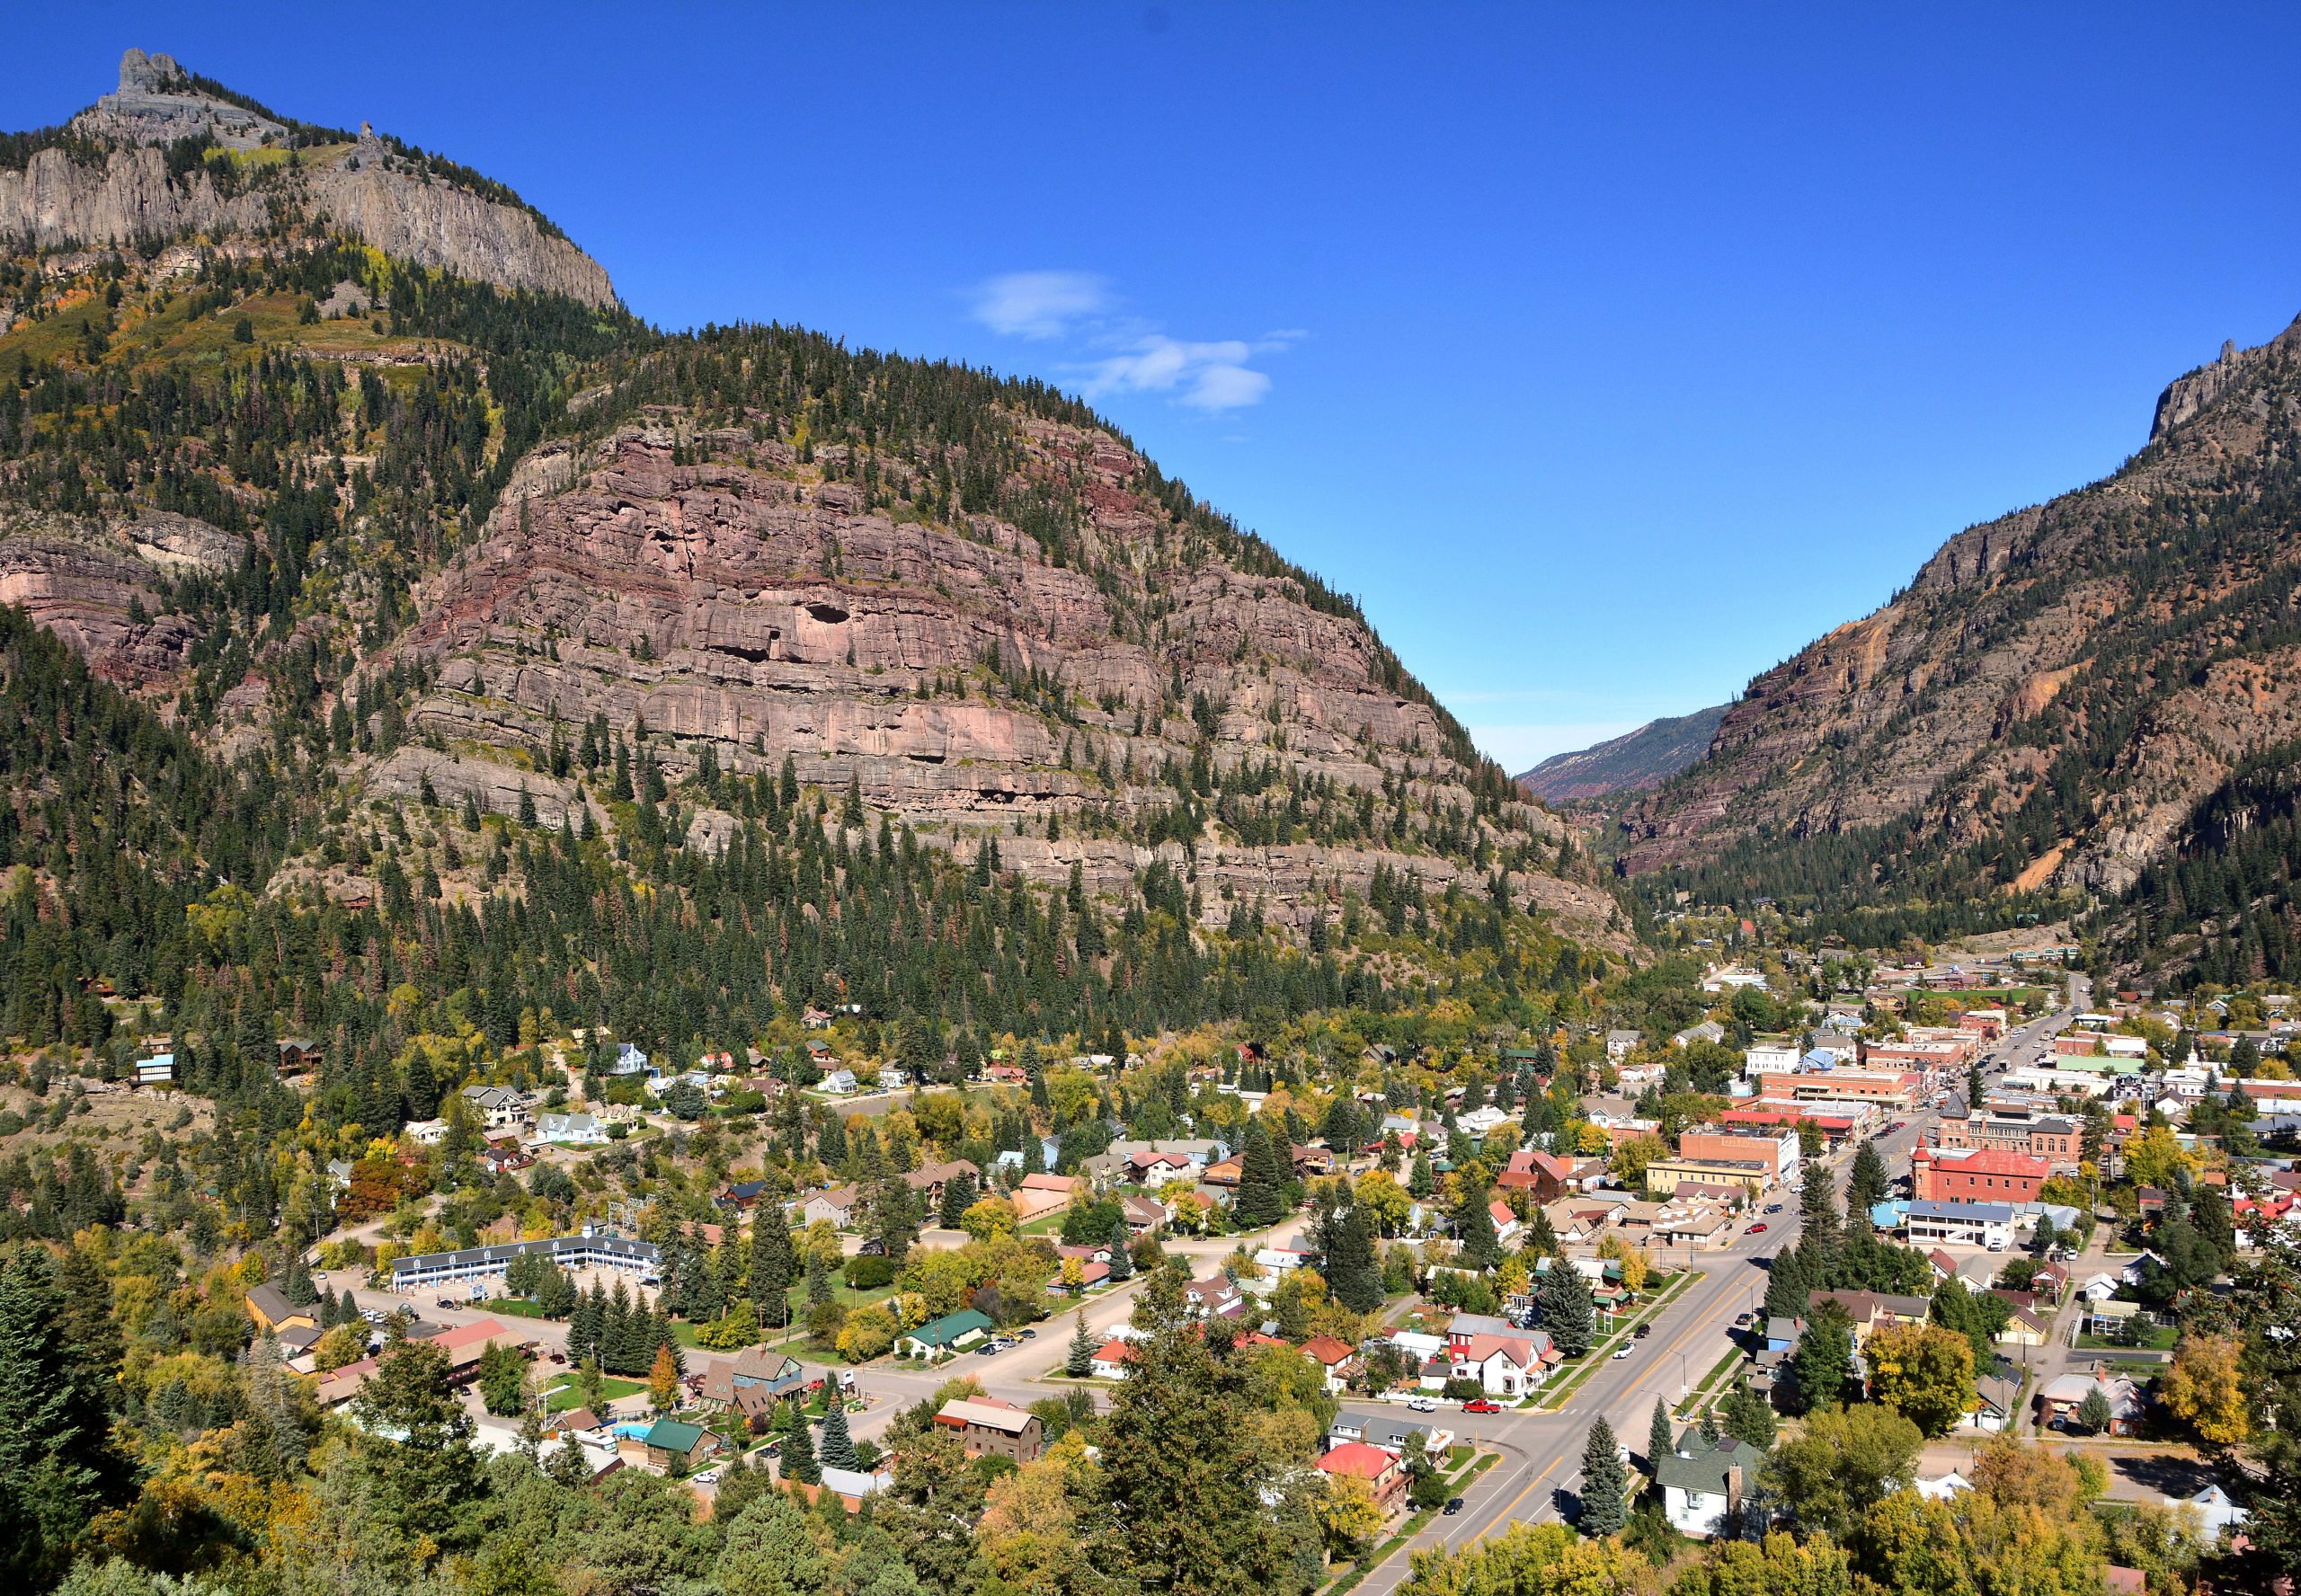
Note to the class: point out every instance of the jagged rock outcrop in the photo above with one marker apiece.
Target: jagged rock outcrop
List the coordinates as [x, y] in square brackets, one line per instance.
[117, 189]
[96, 583]
[751, 605]
[2058, 688]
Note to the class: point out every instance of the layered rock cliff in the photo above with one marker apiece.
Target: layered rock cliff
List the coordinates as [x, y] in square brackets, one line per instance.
[2054, 691]
[112, 183]
[747, 607]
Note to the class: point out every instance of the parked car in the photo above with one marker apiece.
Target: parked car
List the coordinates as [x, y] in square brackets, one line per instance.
[1027, 1333]
[709, 1477]
[1741, 1321]
[445, 1302]
[1622, 1352]
[1645, 1330]
[1423, 1404]
[1757, 1230]
[1481, 1405]
[1773, 1208]
[1454, 1505]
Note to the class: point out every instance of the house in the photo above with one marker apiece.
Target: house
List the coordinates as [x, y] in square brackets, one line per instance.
[741, 1196]
[1620, 1044]
[158, 1070]
[1996, 1396]
[628, 1060]
[839, 1083]
[852, 1486]
[1506, 1225]
[1110, 1358]
[269, 1307]
[1703, 1486]
[1960, 1224]
[988, 1427]
[950, 1334]
[1149, 1167]
[1709, 1031]
[675, 1444]
[1871, 1311]
[466, 1345]
[1338, 1358]
[835, 1206]
[1392, 1433]
[1142, 1214]
[298, 1054]
[1504, 1365]
[2024, 1327]
[2099, 1287]
[1310, 1161]
[427, 1132]
[1463, 1327]
[892, 1080]
[1383, 1472]
[2060, 1398]
[2214, 1510]
[577, 1130]
[751, 1384]
[929, 1179]
[1530, 1169]
[497, 1106]
[1213, 1296]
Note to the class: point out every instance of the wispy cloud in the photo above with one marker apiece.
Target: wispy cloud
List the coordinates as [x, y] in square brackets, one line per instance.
[1040, 303]
[1126, 354]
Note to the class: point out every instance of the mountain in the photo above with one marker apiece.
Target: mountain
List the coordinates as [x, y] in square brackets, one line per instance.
[541, 660]
[2039, 715]
[172, 154]
[1633, 762]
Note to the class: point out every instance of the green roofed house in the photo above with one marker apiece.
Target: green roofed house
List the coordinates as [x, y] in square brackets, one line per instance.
[675, 1444]
[1704, 1488]
[949, 1333]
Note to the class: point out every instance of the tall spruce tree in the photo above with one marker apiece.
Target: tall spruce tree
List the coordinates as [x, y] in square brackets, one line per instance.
[1262, 1179]
[1821, 1365]
[57, 1465]
[1122, 1259]
[838, 1449]
[1480, 1248]
[1786, 1288]
[1868, 1185]
[959, 1193]
[1569, 1312]
[1604, 1485]
[1821, 1240]
[770, 1264]
[1660, 1442]
[1353, 1274]
[799, 1461]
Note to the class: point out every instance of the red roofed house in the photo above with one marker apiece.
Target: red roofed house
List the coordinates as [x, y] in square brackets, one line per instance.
[1380, 1469]
[1532, 1170]
[1111, 1358]
[1504, 1365]
[1505, 1223]
[1983, 1175]
[1339, 1358]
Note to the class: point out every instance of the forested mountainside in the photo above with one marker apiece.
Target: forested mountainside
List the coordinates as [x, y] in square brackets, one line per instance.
[1634, 762]
[2042, 713]
[679, 682]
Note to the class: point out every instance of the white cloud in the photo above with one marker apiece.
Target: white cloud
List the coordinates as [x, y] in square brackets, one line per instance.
[1522, 748]
[1203, 376]
[1125, 354]
[1040, 303]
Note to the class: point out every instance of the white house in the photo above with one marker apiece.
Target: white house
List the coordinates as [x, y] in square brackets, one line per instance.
[427, 1132]
[579, 1128]
[2214, 1510]
[498, 1105]
[1960, 1224]
[1776, 1055]
[839, 1083]
[2099, 1287]
[891, 1079]
[1503, 1365]
[628, 1060]
[1703, 1487]
[1944, 1487]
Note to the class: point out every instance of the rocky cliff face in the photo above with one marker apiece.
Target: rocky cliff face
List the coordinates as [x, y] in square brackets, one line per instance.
[2055, 689]
[115, 187]
[95, 581]
[748, 605]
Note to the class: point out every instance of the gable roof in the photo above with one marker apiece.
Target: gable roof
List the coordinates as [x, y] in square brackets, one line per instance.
[1705, 1471]
[673, 1435]
[987, 1412]
[1356, 1458]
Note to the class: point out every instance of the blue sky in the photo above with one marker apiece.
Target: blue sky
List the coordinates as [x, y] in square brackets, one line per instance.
[1609, 353]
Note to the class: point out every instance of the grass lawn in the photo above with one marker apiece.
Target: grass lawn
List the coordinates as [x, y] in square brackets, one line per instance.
[569, 1393]
[2156, 1338]
[519, 1307]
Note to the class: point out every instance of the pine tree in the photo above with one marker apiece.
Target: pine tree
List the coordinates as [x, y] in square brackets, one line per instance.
[1821, 1239]
[1122, 1258]
[959, 1193]
[1750, 1417]
[1542, 1237]
[57, 1462]
[798, 1446]
[1081, 1361]
[1353, 1274]
[1786, 1291]
[1821, 1365]
[1262, 1198]
[1709, 1425]
[1659, 1441]
[1569, 1312]
[770, 1266]
[1869, 1185]
[1480, 1249]
[839, 1446]
[1603, 1483]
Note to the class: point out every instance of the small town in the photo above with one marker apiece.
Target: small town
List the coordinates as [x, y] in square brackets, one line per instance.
[1162, 799]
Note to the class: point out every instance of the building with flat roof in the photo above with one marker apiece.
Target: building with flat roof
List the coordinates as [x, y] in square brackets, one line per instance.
[1663, 1176]
[424, 1270]
[1976, 1175]
[1960, 1224]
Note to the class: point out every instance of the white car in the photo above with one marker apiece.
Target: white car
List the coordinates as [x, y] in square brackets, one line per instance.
[709, 1477]
[1423, 1404]
[1622, 1352]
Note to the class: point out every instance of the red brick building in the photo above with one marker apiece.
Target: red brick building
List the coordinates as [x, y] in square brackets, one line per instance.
[1981, 1174]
